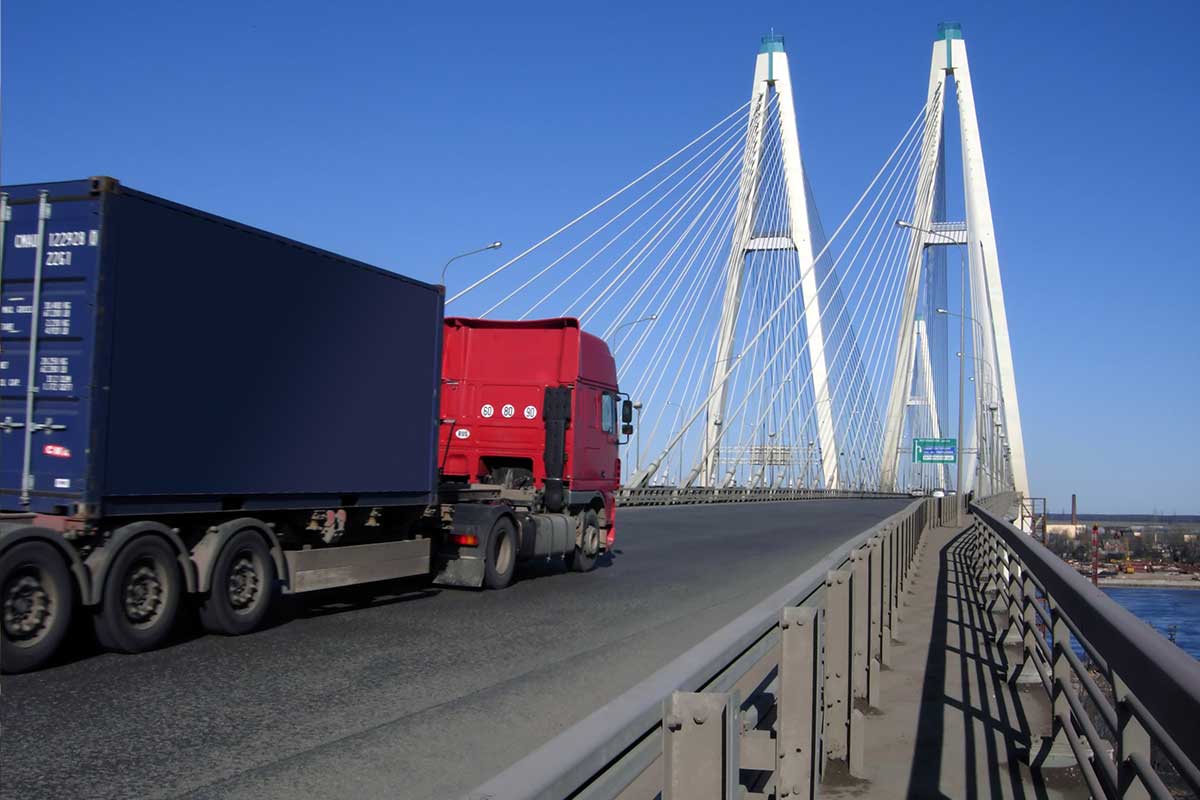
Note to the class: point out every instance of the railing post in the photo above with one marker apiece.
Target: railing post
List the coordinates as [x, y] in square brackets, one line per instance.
[1132, 740]
[835, 736]
[875, 592]
[1061, 668]
[1012, 629]
[700, 747]
[897, 577]
[991, 560]
[1057, 750]
[860, 607]
[885, 598]
[798, 724]
[1030, 652]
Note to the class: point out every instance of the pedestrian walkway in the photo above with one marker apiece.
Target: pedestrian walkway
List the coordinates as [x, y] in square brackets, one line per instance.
[951, 724]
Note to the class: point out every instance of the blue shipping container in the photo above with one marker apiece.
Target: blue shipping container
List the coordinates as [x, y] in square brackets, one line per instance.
[186, 362]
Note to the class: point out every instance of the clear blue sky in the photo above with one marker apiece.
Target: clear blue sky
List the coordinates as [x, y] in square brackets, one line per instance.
[400, 133]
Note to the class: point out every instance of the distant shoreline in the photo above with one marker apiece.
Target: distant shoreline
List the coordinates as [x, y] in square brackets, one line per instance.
[1149, 583]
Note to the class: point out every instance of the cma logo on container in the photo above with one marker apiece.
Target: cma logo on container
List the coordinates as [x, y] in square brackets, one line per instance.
[57, 450]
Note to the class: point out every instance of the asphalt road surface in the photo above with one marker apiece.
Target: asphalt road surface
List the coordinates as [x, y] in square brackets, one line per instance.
[404, 691]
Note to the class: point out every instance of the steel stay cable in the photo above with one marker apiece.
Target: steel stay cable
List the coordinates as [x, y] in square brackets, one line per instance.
[774, 165]
[774, 193]
[675, 337]
[810, 374]
[888, 205]
[599, 205]
[716, 145]
[685, 270]
[875, 332]
[892, 231]
[651, 239]
[870, 186]
[707, 211]
[809, 301]
[619, 319]
[722, 141]
[628, 227]
[731, 152]
[713, 254]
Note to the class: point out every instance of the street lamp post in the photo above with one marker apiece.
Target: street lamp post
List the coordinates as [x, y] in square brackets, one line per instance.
[962, 345]
[493, 246]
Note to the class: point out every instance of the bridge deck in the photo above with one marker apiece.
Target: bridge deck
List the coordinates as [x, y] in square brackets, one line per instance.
[953, 726]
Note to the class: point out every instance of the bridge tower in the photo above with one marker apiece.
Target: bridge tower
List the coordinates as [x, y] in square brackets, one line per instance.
[1003, 448]
[772, 82]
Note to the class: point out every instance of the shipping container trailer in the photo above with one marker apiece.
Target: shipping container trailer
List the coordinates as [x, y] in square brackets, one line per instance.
[216, 413]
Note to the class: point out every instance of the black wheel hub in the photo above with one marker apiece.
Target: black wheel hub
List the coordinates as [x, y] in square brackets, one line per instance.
[27, 611]
[143, 593]
[244, 582]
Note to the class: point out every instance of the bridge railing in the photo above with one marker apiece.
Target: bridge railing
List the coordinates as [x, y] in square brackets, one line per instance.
[1144, 691]
[762, 702]
[671, 495]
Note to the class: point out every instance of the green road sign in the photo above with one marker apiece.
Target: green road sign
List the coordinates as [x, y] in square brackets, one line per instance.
[935, 451]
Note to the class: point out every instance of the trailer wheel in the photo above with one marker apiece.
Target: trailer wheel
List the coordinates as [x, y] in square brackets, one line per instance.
[37, 595]
[587, 543]
[141, 596]
[501, 559]
[243, 586]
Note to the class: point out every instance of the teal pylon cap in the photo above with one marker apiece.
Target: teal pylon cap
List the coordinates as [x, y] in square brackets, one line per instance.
[771, 43]
[949, 30]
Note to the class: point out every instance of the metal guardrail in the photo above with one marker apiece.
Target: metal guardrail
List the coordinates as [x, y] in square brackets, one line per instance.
[1154, 685]
[671, 495]
[769, 696]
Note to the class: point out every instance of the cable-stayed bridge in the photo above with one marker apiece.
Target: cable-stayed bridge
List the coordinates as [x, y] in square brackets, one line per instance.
[732, 651]
[764, 351]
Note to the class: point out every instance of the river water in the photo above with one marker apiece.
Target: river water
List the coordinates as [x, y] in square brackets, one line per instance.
[1169, 611]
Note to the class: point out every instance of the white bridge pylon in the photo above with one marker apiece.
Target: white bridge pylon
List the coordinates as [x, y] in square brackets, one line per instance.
[1003, 461]
[772, 83]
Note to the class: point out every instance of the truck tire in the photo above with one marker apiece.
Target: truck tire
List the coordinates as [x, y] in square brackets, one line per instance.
[141, 596]
[38, 595]
[243, 586]
[587, 545]
[500, 561]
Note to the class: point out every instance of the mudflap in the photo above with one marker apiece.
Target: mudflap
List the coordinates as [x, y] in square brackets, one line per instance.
[464, 571]
[463, 564]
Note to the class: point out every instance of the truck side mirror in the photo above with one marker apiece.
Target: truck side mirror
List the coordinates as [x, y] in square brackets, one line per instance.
[627, 412]
[627, 429]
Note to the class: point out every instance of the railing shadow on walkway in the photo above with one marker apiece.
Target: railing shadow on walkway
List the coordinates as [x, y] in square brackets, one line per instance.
[960, 606]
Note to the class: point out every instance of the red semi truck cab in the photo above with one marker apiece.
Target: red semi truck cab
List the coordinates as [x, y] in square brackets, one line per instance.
[532, 405]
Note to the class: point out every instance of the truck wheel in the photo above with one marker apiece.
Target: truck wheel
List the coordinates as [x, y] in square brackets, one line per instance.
[141, 597]
[587, 543]
[243, 586]
[501, 559]
[37, 595]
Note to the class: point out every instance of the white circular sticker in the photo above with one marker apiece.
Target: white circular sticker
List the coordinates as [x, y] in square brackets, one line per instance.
[530, 412]
[507, 411]
[487, 411]
[462, 433]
